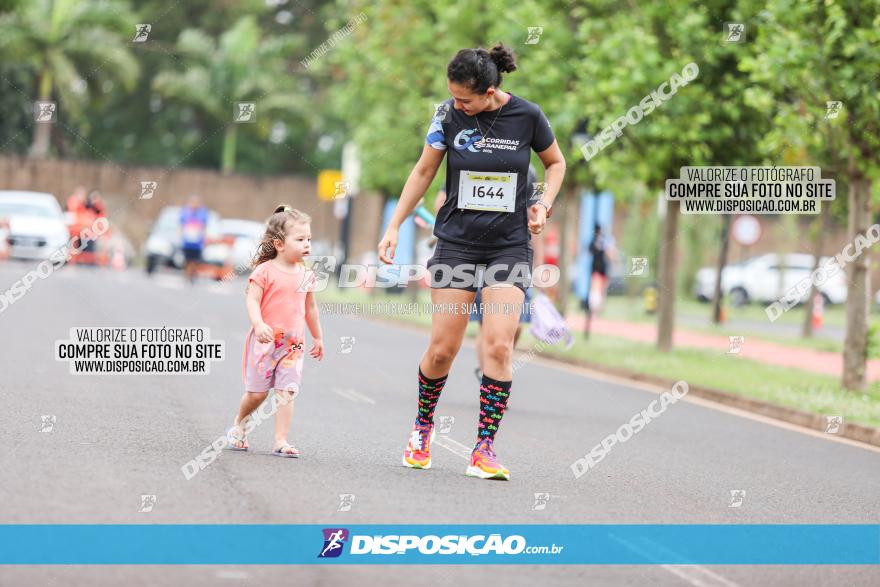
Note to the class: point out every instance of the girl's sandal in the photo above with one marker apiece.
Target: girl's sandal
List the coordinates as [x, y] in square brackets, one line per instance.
[236, 434]
[286, 450]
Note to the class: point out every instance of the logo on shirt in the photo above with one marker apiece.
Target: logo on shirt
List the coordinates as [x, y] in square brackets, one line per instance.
[466, 139]
[471, 140]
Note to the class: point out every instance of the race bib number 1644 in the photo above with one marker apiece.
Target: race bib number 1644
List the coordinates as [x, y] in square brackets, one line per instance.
[492, 191]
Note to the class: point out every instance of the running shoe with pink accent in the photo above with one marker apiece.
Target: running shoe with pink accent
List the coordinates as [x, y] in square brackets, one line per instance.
[418, 450]
[484, 463]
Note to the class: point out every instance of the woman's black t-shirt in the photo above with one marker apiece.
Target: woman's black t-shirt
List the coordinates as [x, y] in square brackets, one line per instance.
[520, 126]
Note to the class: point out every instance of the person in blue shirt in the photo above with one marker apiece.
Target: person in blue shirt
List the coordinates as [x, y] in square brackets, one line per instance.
[193, 222]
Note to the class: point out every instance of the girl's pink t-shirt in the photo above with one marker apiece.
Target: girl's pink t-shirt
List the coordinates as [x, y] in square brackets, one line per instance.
[284, 294]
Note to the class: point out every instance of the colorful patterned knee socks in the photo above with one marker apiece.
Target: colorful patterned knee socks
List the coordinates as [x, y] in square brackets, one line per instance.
[493, 401]
[429, 393]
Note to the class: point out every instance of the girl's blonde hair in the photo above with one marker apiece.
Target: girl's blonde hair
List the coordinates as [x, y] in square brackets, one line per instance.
[276, 228]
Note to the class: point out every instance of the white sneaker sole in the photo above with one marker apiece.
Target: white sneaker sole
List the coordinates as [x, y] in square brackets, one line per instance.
[428, 466]
[473, 471]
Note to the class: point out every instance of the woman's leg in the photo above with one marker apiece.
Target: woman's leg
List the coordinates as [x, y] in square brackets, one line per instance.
[478, 342]
[500, 322]
[500, 328]
[447, 331]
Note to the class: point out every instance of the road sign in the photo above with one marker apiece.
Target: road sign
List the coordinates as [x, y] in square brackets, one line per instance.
[746, 230]
[327, 184]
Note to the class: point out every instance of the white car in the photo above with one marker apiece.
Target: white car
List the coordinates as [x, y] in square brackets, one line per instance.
[247, 235]
[766, 278]
[36, 224]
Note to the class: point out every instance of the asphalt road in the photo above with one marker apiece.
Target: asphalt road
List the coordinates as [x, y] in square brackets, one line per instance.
[116, 438]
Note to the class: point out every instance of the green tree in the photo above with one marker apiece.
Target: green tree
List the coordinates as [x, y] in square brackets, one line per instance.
[387, 90]
[633, 49]
[241, 66]
[70, 47]
[807, 54]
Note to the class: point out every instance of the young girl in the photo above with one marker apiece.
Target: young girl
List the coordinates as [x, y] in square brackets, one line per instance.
[280, 302]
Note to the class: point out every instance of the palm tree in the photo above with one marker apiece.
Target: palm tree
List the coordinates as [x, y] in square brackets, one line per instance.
[239, 67]
[70, 46]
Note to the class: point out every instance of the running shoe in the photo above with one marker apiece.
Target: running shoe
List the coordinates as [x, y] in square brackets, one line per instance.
[418, 450]
[484, 463]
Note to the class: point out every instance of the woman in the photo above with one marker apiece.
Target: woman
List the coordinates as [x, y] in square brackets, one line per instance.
[486, 220]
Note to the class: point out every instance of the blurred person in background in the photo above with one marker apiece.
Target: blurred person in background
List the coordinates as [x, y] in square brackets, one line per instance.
[602, 251]
[193, 223]
[76, 200]
[94, 209]
[77, 218]
[95, 203]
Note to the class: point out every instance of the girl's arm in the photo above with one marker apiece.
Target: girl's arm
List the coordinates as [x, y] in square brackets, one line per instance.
[314, 323]
[254, 295]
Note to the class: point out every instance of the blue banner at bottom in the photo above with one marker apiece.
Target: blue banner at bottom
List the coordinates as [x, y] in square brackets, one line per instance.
[790, 544]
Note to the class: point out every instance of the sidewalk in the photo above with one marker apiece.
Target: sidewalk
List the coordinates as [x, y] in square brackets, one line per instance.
[755, 349]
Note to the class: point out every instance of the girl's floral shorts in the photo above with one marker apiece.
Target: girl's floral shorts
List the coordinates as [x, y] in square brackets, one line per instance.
[274, 365]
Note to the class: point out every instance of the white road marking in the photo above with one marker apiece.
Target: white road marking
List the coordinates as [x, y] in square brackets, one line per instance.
[230, 574]
[696, 575]
[453, 446]
[353, 395]
[168, 281]
[226, 288]
[699, 576]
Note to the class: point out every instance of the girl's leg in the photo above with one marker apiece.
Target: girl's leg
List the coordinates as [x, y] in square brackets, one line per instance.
[283, 418]
[250, 401]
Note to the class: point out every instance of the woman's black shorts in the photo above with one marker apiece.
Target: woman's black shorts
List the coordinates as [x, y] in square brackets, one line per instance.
[468, 267]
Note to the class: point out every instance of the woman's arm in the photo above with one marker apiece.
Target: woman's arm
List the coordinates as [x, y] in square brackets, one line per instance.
[554, 171]
[416, 185]
[554, 165]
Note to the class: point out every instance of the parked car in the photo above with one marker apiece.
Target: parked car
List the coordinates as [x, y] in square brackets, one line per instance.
[766, 278]
[162, 248]
[245, 236]
[34, 224]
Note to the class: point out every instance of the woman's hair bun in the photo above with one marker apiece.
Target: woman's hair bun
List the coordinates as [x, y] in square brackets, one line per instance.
[504, 58]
